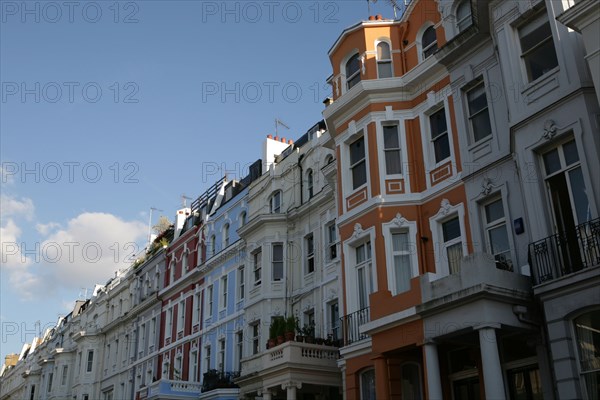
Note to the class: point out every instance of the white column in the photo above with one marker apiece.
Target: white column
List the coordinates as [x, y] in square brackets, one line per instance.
[266, 395]
[434, 381]
[490, 363]
[291, 393]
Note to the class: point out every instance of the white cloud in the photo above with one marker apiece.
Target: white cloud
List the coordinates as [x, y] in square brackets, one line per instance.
[90, 249]
[44, 229]
[11, 206]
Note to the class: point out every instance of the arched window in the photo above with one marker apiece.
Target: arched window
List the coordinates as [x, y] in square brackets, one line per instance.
[367, 385]
[309, 183]
[384, 60]
[225, 235]
[587, 331]
[275, 202]
[352, 71]
[243, 218]
[328, 159]
[463, 15]
[411, 381]
[428, 42]
[184, 261]
[213, 246]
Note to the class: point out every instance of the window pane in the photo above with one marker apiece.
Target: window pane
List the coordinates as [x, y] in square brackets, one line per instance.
[582, 206]
[541, 60]
[438, 123]
[429, 38]
[357, 150]
[499, 239]
[367, 385]
[400, 242]
[534, 33]
[390, 137]
[277, 252]
[392, 162]
[383, 51]
[384, 69]
[352, 65]
[463, 15]
[441, 148]
[552, 162]
[362, 289]
[570, 151]
[451, 229]
[477, 99]
[403, 272]
[481, 125]
[411, 382]
[359, 175]
[360, 254]
[454, 254]
[494, 211]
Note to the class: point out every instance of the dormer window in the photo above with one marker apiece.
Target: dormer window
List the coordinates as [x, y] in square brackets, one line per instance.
[429, 42]
[463, 15]
[352, 71]
[384, 60]
[275, 202]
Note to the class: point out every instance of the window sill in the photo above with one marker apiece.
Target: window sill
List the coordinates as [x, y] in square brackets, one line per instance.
[541, 86]
[474, 146]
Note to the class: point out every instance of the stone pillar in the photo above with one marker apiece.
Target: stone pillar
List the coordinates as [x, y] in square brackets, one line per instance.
[291, 389]
[266, 395]
[432, 364]
[490, 363]
[382, 378]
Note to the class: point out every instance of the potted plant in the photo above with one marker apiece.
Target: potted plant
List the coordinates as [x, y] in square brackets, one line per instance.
[280, 329]
[272, 335]
[290, 328]
[309, 333]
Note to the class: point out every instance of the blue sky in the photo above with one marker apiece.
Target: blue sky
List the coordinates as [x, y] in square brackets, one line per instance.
[109, 108]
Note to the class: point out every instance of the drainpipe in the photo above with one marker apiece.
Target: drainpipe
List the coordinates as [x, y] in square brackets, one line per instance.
[300, 158]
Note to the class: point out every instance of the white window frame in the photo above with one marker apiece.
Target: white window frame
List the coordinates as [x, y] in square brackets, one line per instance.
[431, 139]
[401, 143]
[241, 292]
[488, 226]
[207, 357]
[273, 206]
[197, 308]
[420, 34]
[209, 300]
[541, 15]
[184, 261]
[379, 61]
[89, 361]
[223, 297]
[461, 28]
[358, 72]
[225, 232]
[361, 135]
[446, 213]
[255, 329]
[172, 271]
[309, 254]
[257, 266]
[274, 262]
[469, 89]
[399, 224]
[310, 183]
[169, 324]
[221, 356]
[181, 316]
[239, 345]
[193, 366]
[359, 237]
[331, 244]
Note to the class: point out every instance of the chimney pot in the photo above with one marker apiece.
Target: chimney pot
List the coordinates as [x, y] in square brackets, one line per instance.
[371, 18]
[276, 138]
[269, 136]
[379, 17]
[282, 140]
[290, 141]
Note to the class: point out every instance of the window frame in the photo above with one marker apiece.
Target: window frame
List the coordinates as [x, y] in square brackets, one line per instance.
[225, 233]
[90, 361]
[386, 151]
[468, 16]
[357, 163]
[477, 84]
[221, 355]
[255, 329]
[361, 380]
[257, 266]
[223, 282]
[400, 225]
[241, 292]
[350, 77]
[424, 48]
[209, 300]
[277, 263]
[527, 25]
[331, 244]
[310, 183]
[181, 316]
[275, 208]
[384, 61]
[309, 247]
[446, 213]
[579, 359]
[439, 136]
[488, 226]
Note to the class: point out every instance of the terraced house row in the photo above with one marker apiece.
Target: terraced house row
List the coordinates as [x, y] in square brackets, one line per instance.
[435, 236]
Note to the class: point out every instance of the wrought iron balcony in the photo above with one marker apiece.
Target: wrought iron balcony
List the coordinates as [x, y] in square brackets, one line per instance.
[214, 379]
[351, 326]
[566, 252]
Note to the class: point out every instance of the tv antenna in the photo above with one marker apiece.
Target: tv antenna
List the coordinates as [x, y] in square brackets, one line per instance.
[184, 200]
[278, 123]
[396, 6]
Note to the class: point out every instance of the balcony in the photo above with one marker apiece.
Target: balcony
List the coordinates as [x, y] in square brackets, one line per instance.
[564, 253]
[167, 389]
[215, 379]
[351, 326]
[302, 355]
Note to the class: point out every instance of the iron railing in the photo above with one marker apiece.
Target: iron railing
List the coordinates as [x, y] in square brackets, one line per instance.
[350, 326]
[215, 379]
[566, 252]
